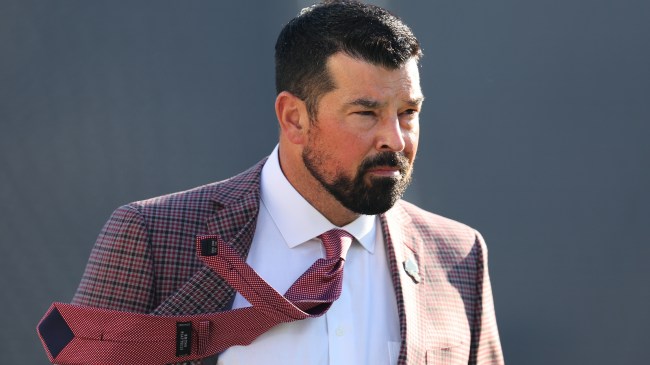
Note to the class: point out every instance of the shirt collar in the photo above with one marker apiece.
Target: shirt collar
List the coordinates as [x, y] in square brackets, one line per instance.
[296, 219]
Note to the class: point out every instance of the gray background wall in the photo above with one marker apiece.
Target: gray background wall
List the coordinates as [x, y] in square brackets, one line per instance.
[535, 131]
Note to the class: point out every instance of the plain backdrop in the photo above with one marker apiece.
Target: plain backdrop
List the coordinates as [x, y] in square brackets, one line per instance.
[535, 131]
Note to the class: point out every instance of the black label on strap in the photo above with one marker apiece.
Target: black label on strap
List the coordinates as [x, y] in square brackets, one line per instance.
[209, 247]
[183, 338]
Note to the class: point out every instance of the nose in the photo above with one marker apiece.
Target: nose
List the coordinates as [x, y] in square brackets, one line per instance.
[391, 136]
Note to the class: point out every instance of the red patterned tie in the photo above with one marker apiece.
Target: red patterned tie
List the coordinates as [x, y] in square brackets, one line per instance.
[73, 334]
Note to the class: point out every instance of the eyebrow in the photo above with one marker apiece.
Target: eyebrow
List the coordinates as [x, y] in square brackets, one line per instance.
[374, 104]
[415, 101]
[367, 103]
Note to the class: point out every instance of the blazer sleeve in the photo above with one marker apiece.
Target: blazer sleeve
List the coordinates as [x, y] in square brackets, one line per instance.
[119, 273]
[486, 346]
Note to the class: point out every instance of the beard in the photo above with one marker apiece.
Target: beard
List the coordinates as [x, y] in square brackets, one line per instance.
[371, 197]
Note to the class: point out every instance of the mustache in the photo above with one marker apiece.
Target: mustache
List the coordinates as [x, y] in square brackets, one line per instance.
[390, 159]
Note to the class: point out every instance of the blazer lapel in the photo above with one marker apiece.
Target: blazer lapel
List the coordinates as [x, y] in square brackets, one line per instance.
[402, 248]
[237, 205]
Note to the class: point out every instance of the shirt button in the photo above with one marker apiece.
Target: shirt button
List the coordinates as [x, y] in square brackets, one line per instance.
[340, 331]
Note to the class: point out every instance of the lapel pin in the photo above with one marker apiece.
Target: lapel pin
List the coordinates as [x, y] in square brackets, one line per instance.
[411, 268]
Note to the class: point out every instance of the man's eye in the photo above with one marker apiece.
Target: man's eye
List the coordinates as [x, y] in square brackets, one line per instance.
[365, 112]
[410, 111]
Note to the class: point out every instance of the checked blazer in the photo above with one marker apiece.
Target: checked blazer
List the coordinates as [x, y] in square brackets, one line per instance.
[144, 261]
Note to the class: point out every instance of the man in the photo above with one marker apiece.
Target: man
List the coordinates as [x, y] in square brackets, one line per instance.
[416, 288]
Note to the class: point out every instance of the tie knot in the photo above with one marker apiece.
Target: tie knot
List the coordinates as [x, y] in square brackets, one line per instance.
[336, 242]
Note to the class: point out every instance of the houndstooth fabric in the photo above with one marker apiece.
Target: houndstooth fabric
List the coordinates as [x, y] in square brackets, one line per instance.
[144, 261]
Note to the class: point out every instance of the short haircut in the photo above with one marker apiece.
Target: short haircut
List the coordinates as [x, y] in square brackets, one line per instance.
[363, 31]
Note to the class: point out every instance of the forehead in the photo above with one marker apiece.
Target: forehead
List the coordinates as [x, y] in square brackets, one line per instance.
[356, 78]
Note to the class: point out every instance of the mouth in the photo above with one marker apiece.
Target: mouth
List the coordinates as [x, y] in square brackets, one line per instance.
[385, 171]
[386, 166]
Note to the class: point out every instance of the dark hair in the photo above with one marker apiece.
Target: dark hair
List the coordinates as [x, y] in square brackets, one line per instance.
[363, 31]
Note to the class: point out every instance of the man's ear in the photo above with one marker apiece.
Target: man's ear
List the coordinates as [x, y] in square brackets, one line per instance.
[292, 117]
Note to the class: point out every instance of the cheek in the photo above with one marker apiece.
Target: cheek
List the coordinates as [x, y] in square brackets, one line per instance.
[348, 157]
[332, 152]
[412, 139]
[345, 147]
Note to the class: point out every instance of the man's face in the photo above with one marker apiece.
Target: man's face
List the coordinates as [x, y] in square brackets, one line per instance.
[362, 143]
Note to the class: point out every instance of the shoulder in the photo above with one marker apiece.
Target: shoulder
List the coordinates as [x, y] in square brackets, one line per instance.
[438, 235]
[429, 223]
[200, 201]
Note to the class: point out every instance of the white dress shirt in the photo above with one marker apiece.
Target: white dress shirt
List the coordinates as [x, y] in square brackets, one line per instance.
[361, 327]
